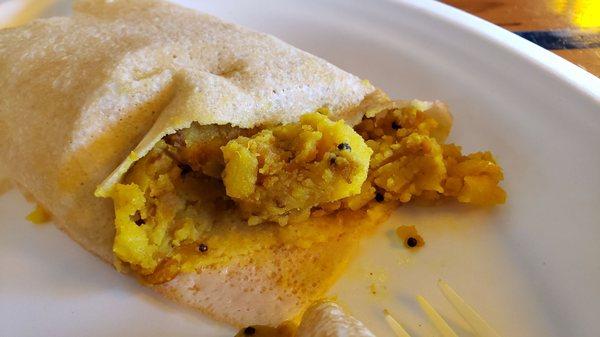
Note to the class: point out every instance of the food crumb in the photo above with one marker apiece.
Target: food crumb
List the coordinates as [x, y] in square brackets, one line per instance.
[39, 215]
[410, 237]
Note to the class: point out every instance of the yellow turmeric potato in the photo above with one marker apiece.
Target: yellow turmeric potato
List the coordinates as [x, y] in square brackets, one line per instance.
[199, 146]
[132, 243]
[279, 174]
[474, 178]
[159, 208]
[190, 201]
[241, 171]
[410, 159]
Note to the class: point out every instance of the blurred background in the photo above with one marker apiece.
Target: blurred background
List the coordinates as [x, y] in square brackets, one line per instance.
[569, 28]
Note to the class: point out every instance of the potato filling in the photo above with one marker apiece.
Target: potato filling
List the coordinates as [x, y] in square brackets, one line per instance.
[281, 173]
[410, 160]
[209, 193]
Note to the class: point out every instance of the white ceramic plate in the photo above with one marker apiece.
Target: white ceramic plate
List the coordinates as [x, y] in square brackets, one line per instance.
[531, 267]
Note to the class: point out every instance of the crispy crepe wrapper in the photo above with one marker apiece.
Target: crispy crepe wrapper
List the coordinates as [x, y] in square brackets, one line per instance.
[82, 98]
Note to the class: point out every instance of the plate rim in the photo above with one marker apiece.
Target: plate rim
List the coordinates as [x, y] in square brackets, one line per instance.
[544, 60]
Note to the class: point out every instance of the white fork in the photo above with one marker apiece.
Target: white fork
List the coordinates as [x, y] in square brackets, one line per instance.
[477, 323]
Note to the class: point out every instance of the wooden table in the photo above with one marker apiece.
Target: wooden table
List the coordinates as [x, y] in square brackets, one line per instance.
[570, 28]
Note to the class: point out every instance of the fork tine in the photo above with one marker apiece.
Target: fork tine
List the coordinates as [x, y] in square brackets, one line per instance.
[437, 320]
[393, 323]
[479, 325]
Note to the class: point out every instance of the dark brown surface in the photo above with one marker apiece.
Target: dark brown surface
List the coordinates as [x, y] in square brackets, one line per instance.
[544, 15]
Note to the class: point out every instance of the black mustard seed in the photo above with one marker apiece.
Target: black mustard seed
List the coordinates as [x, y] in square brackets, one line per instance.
[411, 242]
[344, 146]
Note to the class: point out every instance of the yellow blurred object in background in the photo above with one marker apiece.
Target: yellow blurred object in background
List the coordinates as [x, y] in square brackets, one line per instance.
[582, 13]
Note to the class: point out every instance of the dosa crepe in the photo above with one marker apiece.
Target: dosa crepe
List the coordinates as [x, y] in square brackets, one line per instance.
[222, 167]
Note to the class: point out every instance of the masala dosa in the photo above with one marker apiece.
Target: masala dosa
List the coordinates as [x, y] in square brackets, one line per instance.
[181, 118]
[79, 94]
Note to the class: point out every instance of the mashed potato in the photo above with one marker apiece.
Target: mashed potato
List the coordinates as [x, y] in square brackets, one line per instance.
[283, 172]
[410, 159]
[209, 193]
